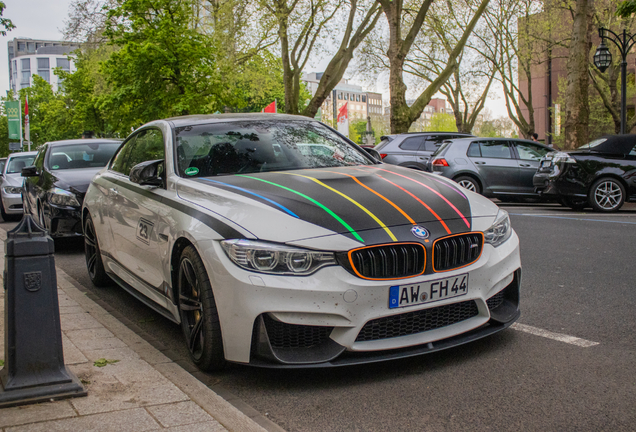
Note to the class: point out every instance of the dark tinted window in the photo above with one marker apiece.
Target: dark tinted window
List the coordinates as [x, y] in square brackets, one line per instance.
[528, 151]
[256, 146]
[77, 156]
[495, 149]
[433, 142]
[473, 150]
[119, 161]
[412, 143]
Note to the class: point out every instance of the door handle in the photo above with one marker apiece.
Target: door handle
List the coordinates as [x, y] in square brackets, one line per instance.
[480, 163]
[423, 158]
[525, 165]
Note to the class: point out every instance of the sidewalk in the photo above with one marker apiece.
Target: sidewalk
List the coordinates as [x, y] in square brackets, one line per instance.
[142, 391]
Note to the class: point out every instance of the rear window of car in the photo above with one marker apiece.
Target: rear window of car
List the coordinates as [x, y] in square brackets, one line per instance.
[441, 148]
[473, 150]
[258, 146]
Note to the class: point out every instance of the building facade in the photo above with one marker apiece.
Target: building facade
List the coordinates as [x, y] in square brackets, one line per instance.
[28, 57]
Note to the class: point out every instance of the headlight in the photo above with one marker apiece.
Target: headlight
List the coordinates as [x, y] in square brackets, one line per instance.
[12, 190]
[500, 230]
[61, 197]
[276, 259]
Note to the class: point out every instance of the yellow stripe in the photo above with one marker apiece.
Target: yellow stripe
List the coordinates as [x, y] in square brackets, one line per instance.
[375, 218]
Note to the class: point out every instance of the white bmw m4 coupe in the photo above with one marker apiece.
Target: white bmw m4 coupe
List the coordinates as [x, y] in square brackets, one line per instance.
[276, 242]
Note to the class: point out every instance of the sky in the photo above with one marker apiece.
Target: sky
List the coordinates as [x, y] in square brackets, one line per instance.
[44, 19]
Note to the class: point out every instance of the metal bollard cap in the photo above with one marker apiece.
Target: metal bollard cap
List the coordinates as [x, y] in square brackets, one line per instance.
[28, 239]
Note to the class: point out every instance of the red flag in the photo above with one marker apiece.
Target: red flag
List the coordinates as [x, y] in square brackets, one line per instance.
[271, 108]
[342, 113]
[26, 110]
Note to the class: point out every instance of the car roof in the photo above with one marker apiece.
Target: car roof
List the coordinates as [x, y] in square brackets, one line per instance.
[222, 118]
[613, 144]
[83, 141]
[31, 153]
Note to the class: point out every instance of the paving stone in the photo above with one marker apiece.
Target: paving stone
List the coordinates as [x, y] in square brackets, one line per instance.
[138, 418]
[179, 414]
[152, 356]
[65, 310]
[72, 354]
[102, 344]
[36, 413]
[64, 300]
[88, 334]
[78, 322]
[123, 353]
[212, 426]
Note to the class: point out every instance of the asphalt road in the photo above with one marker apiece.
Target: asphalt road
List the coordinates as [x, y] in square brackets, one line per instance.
[578, 281]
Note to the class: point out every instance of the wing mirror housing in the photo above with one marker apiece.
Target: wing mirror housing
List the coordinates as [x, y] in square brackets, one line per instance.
[30, 171]
[148, 173]
[373, 153]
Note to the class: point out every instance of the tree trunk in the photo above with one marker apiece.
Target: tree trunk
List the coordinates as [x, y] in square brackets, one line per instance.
[577, 112]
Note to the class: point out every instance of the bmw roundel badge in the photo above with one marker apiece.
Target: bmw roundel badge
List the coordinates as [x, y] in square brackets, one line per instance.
[420, 232]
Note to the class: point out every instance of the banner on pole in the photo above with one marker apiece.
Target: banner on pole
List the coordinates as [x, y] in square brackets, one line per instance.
[343, 120]
[14, 116]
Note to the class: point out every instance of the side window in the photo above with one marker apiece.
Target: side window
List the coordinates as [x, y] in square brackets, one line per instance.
[433, 142]
[473, 150]
[148, 146]
[412, 143]
[531, 152]
[495, 149]
[39, 159]
[119, 160]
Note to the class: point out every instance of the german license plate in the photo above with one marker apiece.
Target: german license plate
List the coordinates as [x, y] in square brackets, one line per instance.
[427, 292]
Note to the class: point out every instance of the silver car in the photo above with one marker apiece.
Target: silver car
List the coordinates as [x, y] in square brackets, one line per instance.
[11, 184]
[495, 167]
[413, 150]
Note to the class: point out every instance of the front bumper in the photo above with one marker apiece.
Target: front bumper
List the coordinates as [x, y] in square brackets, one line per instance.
[64, 221]
[315, 321]
[12, 203]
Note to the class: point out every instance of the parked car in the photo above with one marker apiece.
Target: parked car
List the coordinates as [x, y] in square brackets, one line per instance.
[57, 179]
[413, 150]
[494, 167]
[599, 174]
[272, 256]
[11, 184]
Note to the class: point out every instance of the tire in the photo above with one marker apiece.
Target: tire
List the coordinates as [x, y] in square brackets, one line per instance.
[469, 183]
[94, 263]
[5, 217]
[607, 195]
[577, 204]
[199, 317]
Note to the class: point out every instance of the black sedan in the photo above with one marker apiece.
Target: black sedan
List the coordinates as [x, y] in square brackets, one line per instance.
[55, 184]
[600, 174]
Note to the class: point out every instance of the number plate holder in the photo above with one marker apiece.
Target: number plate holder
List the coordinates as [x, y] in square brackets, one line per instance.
[428, 292]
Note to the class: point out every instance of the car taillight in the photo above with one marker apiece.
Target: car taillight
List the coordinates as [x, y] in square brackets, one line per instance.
[440, 162]
[383, 155]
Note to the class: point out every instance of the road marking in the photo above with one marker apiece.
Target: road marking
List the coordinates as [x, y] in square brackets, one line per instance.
[554, 336]
[571, 218]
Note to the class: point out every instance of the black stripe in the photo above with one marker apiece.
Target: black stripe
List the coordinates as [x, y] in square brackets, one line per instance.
[225, 230]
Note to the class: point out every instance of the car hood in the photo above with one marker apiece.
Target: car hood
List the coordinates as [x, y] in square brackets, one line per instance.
[75, 180]
[12, 180]
[366, 204]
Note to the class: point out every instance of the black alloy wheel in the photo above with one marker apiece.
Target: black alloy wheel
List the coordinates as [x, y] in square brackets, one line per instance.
[94, 262]
[199, 317]
[607, 195]
[468, 183]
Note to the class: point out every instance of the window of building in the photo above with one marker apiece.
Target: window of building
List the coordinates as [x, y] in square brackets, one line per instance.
[31, 47]
[357, 98]
[43, 69]
[340, 96]
[21, 46]
[26, 64]
[346, 96]
[364, 98]
[63, 63]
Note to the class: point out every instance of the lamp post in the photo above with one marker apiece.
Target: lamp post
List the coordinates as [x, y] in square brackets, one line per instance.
[603, 60]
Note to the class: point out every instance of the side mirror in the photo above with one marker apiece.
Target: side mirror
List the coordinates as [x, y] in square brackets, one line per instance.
[373, 153]
[147, 173]
[30, 171]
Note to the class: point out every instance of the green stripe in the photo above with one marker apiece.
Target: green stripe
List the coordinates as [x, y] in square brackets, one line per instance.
[335, 216]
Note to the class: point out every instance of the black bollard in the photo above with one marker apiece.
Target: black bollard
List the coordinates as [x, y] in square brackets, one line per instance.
[34, 369]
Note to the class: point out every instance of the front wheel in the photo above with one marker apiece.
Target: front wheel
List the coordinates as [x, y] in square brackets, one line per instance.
[94, 262]
[199, 317]
[469, 183]
[607, 195]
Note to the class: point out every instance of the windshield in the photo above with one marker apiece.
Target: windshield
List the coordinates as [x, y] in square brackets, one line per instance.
[593, 144]
[75, 156]
[259, 146]
[17, 163]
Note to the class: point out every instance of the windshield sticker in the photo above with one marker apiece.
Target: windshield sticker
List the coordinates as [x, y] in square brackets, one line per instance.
[192, 171]
[55, 167]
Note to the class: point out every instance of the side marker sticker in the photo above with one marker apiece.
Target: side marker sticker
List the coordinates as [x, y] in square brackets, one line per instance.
[144, 230]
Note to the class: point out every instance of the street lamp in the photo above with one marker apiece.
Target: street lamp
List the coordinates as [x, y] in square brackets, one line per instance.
[603, 59]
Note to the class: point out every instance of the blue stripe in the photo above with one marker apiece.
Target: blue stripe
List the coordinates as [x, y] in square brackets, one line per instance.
[255, 194]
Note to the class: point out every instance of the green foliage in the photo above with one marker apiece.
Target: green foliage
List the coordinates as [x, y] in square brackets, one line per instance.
[5, 23]
[442, 122]
[4, 135]
[626, 8]
[358, 131]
